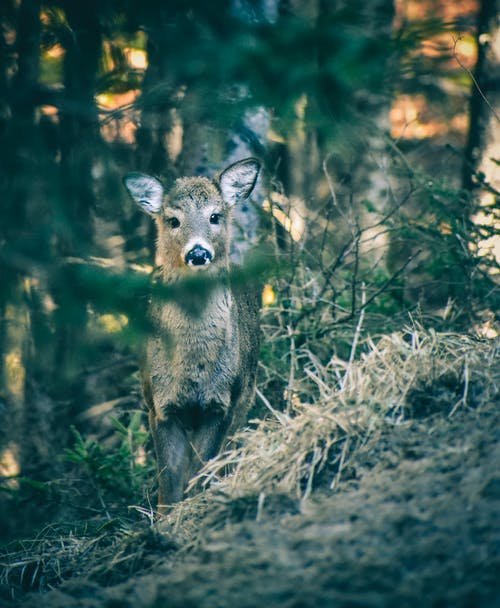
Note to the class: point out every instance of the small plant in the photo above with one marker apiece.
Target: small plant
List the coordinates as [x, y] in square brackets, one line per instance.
[119, 473]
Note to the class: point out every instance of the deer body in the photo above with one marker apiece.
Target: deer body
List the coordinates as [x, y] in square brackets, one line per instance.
[200, 362]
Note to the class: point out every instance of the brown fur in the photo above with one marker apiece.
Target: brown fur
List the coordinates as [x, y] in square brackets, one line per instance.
[199, 368]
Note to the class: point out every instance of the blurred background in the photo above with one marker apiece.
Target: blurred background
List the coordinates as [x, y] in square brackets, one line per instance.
[377, 122]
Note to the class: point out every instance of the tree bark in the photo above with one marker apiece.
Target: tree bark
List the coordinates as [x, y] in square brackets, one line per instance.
[80, 138]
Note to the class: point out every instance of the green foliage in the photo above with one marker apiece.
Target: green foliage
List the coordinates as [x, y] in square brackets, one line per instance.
[116, 474]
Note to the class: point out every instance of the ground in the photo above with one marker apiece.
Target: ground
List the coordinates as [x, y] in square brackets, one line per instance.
[414, 523]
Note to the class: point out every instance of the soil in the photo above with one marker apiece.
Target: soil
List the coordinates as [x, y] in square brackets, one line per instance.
[415, 522]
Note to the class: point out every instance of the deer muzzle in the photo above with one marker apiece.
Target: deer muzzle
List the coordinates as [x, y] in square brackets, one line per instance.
[198, 256]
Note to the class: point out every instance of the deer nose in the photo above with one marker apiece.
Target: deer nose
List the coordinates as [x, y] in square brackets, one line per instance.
[198, 256]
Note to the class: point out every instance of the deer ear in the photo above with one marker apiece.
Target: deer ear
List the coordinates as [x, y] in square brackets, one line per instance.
[146, 191]
[238, 180]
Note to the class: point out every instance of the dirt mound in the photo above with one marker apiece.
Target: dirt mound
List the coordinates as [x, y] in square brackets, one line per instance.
[417, 525]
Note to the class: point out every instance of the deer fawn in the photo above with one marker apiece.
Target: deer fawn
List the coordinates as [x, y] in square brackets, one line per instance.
[201, 359]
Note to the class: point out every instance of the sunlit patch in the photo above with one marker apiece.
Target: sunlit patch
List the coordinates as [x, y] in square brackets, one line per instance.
[412, 117]
[112, 324]
[136, 58]
[52, 111]
[55, 52]
[487, 330]
[275, 137]
[174, 138]
[268, 295]
[445, 228]
[9, 468]
[466, 46]
[291, 220]
[406, 118]
[116, 122]
[112, 101]
[140, 457]
[488, 216]
[406, 12]
[15, 372]
[143, 268]
[490, 248]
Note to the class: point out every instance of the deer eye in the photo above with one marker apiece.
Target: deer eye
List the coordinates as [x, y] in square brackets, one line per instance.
[215, 218]
[173, 222]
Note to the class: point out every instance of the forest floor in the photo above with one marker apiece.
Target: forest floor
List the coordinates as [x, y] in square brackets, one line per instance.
[413, 520]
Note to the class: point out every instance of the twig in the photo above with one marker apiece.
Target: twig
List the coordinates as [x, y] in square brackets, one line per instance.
[357, 333]
[336, 479]
[382, 288]
[280, 417]
[348, 317]
[331, 187]
[260, 507]
[293, 363]
[315, 459]
[463, 399]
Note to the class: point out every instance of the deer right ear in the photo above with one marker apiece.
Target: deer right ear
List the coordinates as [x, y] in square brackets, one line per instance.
[147, 191]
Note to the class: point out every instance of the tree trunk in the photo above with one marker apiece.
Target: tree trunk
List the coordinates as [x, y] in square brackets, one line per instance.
[484, 108]
[156, 101]
[80, 139]
[19, 170]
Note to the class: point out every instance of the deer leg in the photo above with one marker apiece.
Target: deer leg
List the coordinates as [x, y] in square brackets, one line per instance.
[206, 441]
[174, 454]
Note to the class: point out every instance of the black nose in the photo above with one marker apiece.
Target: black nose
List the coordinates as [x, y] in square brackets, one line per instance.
[198, 256]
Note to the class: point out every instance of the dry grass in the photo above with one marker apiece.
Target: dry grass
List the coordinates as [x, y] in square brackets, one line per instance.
[107, 554]
[413, 373]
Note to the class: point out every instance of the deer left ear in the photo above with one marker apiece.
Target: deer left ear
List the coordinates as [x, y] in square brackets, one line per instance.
[238, 180]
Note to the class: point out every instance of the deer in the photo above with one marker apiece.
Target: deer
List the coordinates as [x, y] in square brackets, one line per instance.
[199, 364]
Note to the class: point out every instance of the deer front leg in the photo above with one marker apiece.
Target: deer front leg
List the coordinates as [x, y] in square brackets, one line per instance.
[173, 454]
[207, 440]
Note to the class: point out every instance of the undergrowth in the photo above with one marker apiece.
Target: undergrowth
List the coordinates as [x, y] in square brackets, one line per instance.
[119, 473]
